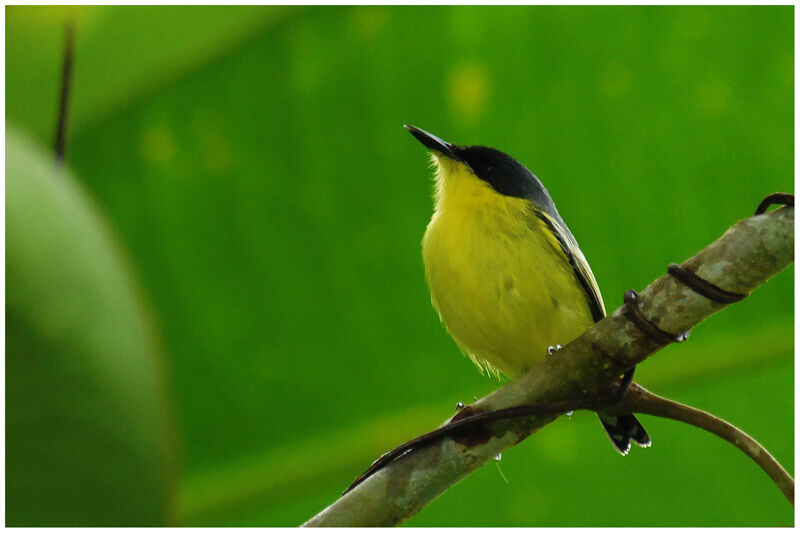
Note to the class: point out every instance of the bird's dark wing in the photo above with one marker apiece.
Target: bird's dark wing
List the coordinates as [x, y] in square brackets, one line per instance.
[580, 266]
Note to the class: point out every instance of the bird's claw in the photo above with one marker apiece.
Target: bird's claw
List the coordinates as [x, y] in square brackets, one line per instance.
[551, 350]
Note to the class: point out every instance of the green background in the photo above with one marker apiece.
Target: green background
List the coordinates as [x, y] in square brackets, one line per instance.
[220, 317]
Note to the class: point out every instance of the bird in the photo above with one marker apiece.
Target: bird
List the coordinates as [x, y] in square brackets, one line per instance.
[506, 275]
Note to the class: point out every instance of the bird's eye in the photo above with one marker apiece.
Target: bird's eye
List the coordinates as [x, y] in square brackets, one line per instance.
[490, 168]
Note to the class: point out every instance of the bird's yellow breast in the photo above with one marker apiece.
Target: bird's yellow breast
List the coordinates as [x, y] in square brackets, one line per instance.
[503, 287]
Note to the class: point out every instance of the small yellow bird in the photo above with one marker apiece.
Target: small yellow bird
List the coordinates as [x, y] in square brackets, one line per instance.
[506, 275]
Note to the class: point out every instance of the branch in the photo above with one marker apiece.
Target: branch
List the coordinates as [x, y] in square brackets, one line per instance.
[746, 256]
[640, 400]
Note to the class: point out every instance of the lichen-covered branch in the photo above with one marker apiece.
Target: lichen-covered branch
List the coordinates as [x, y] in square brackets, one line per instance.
[746, 256]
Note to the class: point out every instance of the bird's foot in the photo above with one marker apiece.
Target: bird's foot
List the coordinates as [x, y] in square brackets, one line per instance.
[551, 350]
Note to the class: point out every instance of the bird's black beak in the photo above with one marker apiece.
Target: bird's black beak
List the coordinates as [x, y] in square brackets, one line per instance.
[432, 142]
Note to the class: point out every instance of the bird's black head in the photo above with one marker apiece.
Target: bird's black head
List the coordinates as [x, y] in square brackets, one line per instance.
[505, 174]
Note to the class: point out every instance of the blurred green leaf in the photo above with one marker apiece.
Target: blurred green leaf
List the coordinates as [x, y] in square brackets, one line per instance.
[88, 434]
[274, 205]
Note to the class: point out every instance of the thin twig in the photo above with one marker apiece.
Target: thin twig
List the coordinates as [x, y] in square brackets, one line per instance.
[641, 400]
[474, 423]
[63, 102]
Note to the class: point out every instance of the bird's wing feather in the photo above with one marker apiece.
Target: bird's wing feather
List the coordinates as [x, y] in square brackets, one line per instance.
[580, 266]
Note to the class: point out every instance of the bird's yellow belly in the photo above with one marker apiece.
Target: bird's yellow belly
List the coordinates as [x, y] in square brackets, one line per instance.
[504, 293]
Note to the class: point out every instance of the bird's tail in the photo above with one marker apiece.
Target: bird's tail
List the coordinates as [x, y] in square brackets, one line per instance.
[622, 429]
